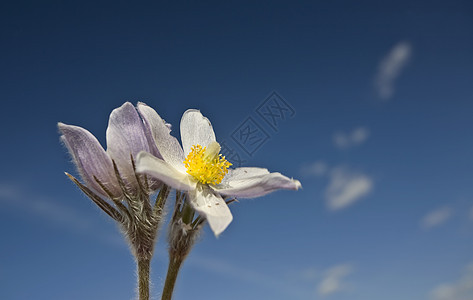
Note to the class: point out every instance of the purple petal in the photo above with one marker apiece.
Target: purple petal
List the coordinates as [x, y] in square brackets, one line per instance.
[254, 182]
[90, 159]
[212, 207]
[168, 146]
[195, 130]
[148, 131]
[126, 136]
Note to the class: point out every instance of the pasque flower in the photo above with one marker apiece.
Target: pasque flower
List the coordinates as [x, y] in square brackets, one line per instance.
[111, 175]
[127, 135]
[199, 169]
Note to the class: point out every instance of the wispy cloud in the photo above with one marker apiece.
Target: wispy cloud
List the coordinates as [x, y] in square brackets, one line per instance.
[390, 68]
[346, 187]
[332, 281]
[318, 168]
[462, 289]
[9, 192]
[54, 212]
[309, 273]
[436, 217]
[323, 281]
[344, 140]
[245, 274]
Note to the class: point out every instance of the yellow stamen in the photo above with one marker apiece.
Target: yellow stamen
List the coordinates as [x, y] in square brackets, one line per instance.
[206, 164]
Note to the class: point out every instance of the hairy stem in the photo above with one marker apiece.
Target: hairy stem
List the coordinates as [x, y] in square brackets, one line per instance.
[143, 278]
[173, 269]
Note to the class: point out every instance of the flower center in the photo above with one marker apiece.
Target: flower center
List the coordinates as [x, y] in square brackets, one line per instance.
[206, 164]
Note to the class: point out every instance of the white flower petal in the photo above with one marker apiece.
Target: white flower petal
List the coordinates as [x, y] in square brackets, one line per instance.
[126, 137]
[195, 130]
[212, 206]
[243, 173]
[160, 169]
[168, 146]
[254, 182]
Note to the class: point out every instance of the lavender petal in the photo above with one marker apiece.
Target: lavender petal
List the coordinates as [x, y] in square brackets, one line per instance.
[90, 159]
[125, 138]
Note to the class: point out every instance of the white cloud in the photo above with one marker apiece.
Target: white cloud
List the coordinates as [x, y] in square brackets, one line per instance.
[346, 140]
[333, 279]
[300, 284]
[8, 192]
[245, 274]
[309, 273]
[318, 168]
[346, 187]
[52, 211]
[436, 217]
[390, 68]
[462, 289]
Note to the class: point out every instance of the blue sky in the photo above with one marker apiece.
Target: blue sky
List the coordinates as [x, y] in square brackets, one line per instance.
[381, 140]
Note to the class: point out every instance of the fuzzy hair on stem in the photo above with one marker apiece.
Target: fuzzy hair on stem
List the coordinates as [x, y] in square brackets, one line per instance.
[184, 231]
[138, 220]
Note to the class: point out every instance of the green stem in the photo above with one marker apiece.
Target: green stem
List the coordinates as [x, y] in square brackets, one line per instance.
[143, 278]
[173, 269]
[187, 213]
